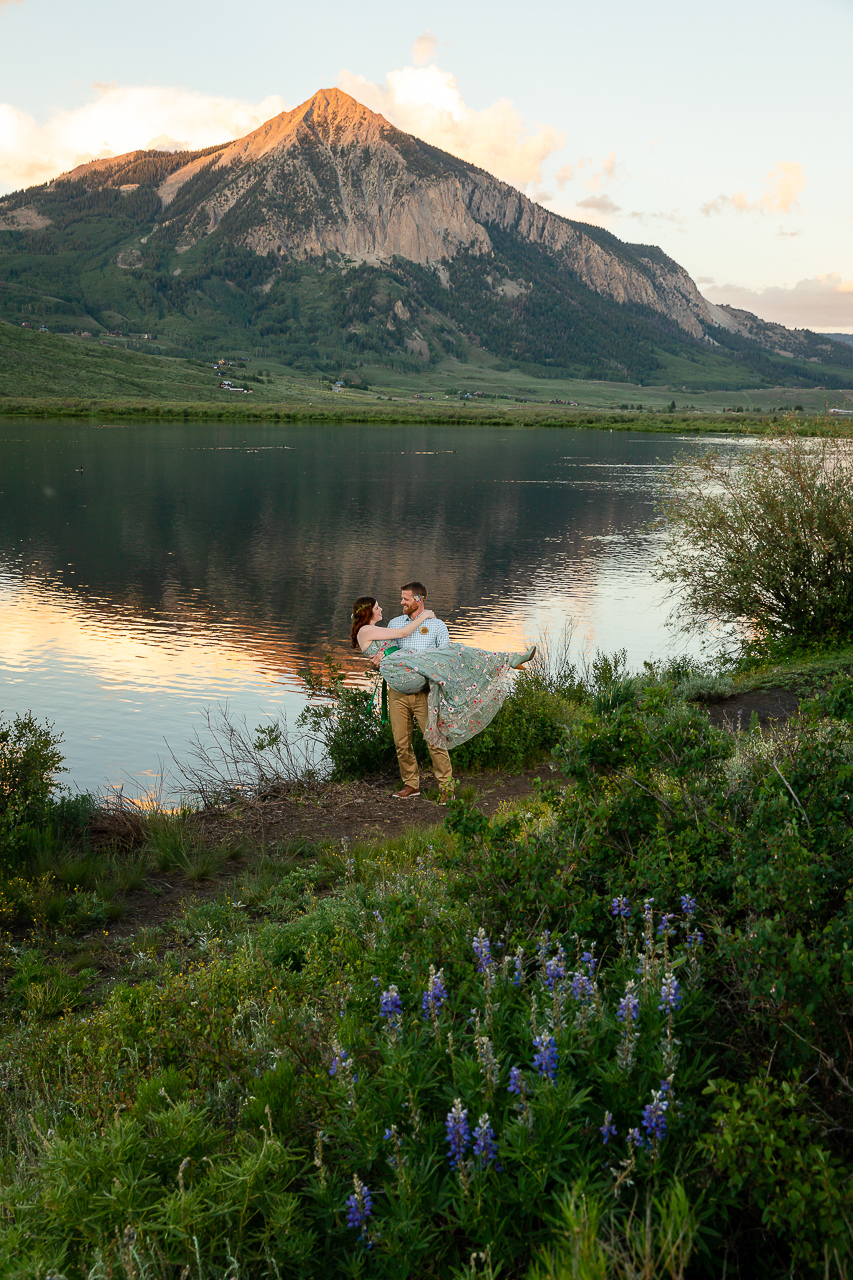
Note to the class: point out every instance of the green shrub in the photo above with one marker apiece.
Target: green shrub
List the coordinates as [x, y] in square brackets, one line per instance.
[350, 730]
[763, 537]
[30, 760]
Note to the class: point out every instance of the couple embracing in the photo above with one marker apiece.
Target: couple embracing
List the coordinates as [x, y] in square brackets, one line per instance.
[452, 690]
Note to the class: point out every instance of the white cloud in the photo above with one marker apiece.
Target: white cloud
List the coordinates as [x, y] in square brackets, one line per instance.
[823, 302]
[119, 120]
[783, 186]
[599, 204]
[426, 101]
[423, 50]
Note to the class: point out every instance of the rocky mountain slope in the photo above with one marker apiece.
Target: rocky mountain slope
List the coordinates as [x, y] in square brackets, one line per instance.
[328, 236]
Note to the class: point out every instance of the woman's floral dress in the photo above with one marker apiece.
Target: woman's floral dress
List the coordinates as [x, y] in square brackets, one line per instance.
[466, 687]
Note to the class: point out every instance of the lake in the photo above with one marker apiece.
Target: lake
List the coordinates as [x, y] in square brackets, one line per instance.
[150, 572]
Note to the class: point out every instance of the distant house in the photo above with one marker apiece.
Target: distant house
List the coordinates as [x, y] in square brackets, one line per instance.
[25, 324]
[43, 328]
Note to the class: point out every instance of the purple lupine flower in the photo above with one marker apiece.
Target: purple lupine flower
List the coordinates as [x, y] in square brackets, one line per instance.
[545, 1058]
[482, 950]
[665, 926]
[391, 1006]
[628, 1009]
[516, 1081]
[621, 907]
[340, 1059]
[608, 1130]
[582, 987]
[654, 1114]
[636, 1139]
[696, 938]
[648, 908]
[688, 904]
[435, 994]
[359, 1205]
[555, 969]
[485, 1147]
[458, 1133]
[518, 975]
[588, 958]
[670, 993]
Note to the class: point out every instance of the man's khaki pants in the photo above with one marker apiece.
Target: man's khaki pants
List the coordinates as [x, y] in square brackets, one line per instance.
[403, 710]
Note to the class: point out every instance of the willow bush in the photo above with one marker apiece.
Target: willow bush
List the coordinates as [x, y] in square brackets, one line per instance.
[763, 538]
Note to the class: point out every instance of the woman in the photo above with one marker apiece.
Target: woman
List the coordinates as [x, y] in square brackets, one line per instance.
[467, 686]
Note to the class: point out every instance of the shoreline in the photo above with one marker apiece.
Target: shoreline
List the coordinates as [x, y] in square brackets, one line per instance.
[406, 413]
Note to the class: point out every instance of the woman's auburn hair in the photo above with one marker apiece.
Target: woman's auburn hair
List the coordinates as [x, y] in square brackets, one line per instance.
[361, 613]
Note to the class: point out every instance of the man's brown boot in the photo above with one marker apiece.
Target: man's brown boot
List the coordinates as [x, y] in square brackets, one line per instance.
[407, 793]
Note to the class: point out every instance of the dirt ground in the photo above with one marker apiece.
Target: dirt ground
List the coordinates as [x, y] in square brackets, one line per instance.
[768, 704]
[364, 810]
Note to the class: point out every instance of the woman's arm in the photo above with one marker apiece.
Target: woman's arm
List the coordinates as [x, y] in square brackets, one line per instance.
[367, 634]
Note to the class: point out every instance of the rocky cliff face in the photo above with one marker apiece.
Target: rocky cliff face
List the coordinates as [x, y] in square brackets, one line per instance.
[333, 177]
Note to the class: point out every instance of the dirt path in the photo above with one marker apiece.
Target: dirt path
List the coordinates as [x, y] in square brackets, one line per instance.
[364, 810]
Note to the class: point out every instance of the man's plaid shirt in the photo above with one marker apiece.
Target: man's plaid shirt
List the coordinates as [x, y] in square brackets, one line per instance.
[432, 634]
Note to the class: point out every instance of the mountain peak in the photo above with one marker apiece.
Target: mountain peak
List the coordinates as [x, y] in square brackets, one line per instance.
[330, 114]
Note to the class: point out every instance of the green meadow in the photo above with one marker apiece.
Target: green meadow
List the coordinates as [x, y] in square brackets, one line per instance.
[52, 374]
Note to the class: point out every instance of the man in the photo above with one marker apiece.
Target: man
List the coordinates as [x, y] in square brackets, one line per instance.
[405, 708]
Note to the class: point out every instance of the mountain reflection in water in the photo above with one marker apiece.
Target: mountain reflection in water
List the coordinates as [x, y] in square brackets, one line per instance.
[186, 565]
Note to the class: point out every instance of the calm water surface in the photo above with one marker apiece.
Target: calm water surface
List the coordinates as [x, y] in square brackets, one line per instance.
[148, 573]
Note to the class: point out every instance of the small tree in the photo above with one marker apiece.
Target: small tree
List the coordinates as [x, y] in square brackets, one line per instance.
[30, 759]
[763, 538]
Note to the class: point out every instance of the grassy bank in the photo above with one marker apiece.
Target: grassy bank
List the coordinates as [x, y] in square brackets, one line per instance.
[347, 411]
[51, 375]
[604, 1033]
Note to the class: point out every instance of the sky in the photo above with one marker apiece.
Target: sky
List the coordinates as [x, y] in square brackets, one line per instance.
[713, 131]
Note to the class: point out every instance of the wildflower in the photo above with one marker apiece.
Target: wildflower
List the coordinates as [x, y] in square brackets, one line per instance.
[486, 1058]
[670, 994]
[665, 926]
[588, 959]
[621, 907]
[359, 1205]
[458, 1133]
[485, 1147]
[654, 1114]
[696, 938]
[628, 1009]
[608, 1130]
[435, 994]
[648, 909]
[636, 1139]
[545, 1058]
[688, 905]
[555, 969]
[390, 1006]
[518, 976]
[516, 1081]
[582, 987]
[482, 950]
[341, 1059]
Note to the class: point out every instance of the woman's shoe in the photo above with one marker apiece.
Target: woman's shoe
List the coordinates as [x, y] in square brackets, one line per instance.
[519, 659]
